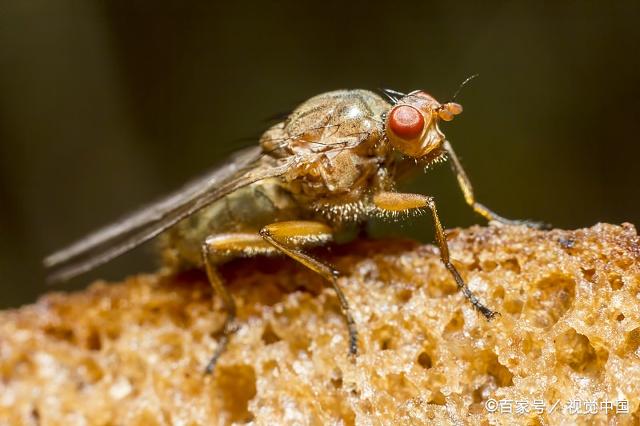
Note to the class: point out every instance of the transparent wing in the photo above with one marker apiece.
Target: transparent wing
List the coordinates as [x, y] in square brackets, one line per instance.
[107, 243]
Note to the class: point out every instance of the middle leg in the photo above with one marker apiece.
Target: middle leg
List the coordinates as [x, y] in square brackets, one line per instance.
[288, 237]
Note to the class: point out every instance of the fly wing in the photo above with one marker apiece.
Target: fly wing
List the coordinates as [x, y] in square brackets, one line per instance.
[146, 223]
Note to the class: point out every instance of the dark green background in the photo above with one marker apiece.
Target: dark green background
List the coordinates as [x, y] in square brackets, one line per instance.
[106, 105]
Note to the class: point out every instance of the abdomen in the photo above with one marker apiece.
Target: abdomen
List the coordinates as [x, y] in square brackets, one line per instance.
[247, 209]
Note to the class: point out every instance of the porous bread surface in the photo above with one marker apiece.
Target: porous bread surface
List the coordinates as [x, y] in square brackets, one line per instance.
[133, 353]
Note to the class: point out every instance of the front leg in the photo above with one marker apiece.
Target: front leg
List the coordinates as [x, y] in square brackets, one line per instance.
[467, 191]
[397, 202]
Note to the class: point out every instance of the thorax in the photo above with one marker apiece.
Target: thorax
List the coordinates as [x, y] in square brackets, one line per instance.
[340, 138]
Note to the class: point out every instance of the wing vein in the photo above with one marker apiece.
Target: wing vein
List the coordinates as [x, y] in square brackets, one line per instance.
[114, 240]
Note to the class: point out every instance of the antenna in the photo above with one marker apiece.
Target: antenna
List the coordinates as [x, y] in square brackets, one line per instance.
[464, 83]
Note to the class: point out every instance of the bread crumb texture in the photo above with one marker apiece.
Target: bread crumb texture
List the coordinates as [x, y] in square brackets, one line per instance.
[133, 353]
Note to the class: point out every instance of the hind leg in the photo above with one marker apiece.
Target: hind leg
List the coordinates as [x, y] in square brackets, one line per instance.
[278, 238]
[217, 249]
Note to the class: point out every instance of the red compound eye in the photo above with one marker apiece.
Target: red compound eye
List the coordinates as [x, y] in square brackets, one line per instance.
[406, 122]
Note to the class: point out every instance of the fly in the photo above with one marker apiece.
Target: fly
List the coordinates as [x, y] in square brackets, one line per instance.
[333, 161]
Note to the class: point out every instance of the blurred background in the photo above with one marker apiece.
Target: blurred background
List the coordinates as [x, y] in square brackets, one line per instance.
[106, 105]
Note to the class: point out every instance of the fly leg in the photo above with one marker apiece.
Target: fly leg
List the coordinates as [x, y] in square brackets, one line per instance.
[217, 249]
[467, 191]
[397, 202]
[289, 237]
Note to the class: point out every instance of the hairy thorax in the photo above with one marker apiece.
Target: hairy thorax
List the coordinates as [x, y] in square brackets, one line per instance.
[339, 138]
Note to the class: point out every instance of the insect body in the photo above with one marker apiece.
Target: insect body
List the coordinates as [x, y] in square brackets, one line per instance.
[333, 161]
